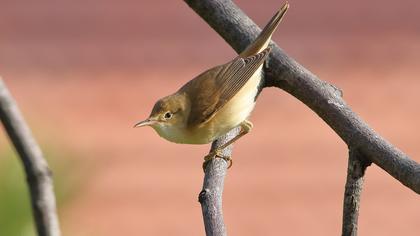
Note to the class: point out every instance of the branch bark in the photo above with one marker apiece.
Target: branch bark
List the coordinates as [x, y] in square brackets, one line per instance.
[38, 175]
[324, 99]
[210, 196]
[354, 184]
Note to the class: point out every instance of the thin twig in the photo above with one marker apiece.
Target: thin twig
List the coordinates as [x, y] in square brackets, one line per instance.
[354, 184]
[38, 175]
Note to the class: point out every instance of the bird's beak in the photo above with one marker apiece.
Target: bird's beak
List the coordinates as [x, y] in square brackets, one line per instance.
[147, 122]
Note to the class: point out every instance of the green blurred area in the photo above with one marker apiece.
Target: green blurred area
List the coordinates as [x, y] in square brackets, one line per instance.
[15, 210]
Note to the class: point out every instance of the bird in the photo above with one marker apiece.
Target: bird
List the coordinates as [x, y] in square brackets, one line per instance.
[217, 100]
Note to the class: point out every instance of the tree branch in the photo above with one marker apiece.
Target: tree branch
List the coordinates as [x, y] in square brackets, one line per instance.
[354, 184]
[36, 168]
[210, 196]
[324, 99]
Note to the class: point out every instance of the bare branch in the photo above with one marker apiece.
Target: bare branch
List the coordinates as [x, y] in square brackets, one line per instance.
[324, 99]
[211, 195]
[36, 168]
[354, 185]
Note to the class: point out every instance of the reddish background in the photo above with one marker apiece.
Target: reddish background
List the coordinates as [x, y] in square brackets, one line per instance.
[84, 71]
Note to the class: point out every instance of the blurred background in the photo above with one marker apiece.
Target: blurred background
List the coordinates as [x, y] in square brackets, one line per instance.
[83, 72]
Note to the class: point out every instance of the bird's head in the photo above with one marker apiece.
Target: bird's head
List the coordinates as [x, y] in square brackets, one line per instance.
[172, 110]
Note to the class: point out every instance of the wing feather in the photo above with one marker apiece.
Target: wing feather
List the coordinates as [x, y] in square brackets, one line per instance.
[215, 87]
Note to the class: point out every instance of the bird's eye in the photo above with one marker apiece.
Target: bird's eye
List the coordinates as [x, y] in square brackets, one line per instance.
[168, 115]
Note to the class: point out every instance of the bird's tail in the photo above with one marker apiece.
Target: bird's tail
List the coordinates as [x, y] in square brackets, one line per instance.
[264, 38]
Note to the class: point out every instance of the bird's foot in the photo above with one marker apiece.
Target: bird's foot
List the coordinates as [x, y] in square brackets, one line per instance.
[216, 154]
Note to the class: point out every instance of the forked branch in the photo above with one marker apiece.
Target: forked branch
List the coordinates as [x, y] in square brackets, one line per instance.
[324, 99]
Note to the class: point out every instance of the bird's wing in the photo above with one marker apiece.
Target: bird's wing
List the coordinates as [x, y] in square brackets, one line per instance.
[264, 37]
[215, 87]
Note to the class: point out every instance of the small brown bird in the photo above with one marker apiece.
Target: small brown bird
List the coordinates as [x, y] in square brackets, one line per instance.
[217, 100]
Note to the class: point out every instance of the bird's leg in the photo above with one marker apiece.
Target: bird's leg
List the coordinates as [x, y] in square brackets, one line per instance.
[246, 127]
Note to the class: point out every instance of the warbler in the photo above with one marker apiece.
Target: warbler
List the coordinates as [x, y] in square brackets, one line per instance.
[217, 100]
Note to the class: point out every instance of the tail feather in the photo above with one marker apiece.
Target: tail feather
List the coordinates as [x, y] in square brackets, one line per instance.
[264, 37]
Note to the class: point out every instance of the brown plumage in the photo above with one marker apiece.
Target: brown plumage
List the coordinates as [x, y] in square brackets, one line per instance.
[218, 99]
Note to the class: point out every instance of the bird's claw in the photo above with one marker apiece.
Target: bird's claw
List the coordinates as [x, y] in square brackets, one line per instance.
[216, 154]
